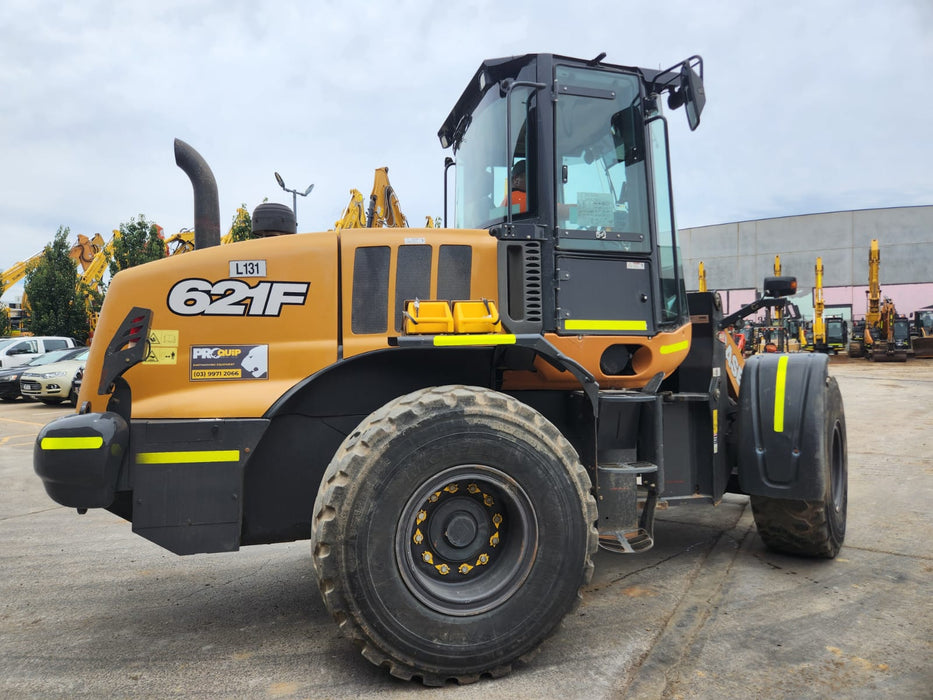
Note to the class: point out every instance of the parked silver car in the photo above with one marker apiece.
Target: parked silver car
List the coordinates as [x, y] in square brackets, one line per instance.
[54, 382]
[9, 377]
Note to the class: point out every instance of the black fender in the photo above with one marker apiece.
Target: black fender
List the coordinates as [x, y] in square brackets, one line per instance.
[782, 437]
[79, 458]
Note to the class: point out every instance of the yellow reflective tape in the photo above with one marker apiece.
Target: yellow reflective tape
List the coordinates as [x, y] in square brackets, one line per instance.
[675, 347]
[190, 457]
[779, 386]
[583, 324]
[71, 443]
[474, 339]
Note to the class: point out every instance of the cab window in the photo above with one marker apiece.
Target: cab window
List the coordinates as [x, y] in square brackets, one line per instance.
[602, 200]
[486, 163]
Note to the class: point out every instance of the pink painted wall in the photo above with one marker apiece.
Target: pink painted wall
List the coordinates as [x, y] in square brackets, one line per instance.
[906, 297]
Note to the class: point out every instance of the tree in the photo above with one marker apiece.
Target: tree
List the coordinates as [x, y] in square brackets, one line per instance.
[242, 227]
[139, 242]
[54, 294]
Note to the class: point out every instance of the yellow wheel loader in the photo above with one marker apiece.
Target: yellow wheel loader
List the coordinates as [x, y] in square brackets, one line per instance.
[455, 417]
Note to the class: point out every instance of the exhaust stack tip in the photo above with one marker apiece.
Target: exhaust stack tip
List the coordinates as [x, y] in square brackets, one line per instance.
[206, 201]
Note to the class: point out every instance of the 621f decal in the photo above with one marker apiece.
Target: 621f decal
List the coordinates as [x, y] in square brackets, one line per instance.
[233, 297]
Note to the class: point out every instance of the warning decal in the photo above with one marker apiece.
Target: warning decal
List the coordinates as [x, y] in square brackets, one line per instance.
[219, 362]
[163, 348]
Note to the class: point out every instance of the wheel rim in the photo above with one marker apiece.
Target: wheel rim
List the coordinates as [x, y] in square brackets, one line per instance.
[466, 540]
[837, 469]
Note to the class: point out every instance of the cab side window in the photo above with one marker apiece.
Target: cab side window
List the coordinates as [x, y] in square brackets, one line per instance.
[26, 347]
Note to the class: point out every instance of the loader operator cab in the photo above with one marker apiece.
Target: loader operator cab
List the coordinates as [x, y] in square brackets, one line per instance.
[593, 142]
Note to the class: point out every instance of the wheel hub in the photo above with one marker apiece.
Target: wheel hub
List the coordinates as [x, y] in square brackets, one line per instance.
[466, 539]
[456, 529]
[461, 531]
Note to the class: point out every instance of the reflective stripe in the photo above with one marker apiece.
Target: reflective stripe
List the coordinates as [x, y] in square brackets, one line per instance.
[474, 339]
[71, 443]
[194, 456]
[779, 386]
[675, 347]
[582, 324]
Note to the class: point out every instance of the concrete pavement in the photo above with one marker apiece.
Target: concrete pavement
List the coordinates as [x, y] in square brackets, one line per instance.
[87, 609]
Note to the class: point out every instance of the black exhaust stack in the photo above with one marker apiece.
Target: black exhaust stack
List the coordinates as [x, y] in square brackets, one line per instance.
[206, 202]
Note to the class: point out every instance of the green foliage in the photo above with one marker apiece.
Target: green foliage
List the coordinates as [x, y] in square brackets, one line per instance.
[53, 292]
[242, 227]
[4, 321]
[138, 243]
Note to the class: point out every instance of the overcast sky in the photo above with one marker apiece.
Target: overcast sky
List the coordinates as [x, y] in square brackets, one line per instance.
[812, 106]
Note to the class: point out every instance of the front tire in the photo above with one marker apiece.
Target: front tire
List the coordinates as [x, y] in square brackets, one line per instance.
[452, 532]
[814, 528]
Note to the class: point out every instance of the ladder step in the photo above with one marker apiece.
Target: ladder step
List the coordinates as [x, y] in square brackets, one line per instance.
[633, 542]
[639, 467]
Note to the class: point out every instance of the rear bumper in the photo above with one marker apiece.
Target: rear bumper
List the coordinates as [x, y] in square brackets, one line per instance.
[79, 458]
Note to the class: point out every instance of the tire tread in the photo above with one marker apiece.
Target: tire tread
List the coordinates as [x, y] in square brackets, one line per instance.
[329, 514]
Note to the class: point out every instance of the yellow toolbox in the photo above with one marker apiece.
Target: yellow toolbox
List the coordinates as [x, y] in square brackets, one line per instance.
[428, 317]
[476, 317]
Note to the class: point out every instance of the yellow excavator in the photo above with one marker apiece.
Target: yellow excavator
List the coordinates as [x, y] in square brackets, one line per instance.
[183, 241]
[819, 327]
[384, 209]
[890, 336]
[861, 338]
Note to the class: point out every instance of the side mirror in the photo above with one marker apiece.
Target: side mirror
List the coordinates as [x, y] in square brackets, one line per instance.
[780, 286]
[691, 85]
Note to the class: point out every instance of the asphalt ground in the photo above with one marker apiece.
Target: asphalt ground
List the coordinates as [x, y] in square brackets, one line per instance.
[87, 609]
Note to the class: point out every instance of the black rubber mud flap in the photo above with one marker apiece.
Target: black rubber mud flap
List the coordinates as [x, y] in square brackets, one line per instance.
[792, 453]
[781, 443]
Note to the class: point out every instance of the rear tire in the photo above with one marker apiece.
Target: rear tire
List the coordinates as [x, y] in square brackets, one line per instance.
[452, 532]
[812, 528]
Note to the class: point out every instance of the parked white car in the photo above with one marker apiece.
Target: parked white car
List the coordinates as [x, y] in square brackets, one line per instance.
[53, 383]
[18, 351]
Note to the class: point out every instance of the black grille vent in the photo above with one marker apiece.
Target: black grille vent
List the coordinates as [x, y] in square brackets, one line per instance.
[533, 282]
[454, 271]
[370, 290]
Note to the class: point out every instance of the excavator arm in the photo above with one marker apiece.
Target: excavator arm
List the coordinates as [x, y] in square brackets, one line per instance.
[14, 274]
[873, 314]
[819, 328]
[384, 208]
[354, 216]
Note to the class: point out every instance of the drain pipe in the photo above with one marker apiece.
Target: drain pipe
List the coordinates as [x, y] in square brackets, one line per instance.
[206, 202]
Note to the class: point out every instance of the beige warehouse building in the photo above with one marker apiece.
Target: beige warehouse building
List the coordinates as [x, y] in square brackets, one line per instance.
[738, 256]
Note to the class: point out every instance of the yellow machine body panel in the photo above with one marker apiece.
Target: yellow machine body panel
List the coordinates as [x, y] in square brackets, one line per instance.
[253, 319]
[274, 299]
[384, 268]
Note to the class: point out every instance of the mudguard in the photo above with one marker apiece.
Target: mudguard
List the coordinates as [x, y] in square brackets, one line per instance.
[782, 450]
[79, 457]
